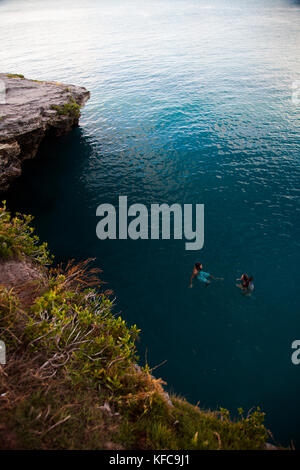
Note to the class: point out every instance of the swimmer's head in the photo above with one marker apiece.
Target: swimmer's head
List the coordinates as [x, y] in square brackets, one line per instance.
[198, 266]
[244, 277]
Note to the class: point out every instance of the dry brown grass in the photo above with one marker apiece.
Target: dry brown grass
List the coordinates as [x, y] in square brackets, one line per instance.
[79, 275]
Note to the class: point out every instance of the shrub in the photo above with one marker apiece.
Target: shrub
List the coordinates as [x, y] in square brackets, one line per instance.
[71, 109]
[17, 238]
[15, 75]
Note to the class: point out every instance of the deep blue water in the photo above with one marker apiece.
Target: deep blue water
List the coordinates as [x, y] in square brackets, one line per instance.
[191, 102]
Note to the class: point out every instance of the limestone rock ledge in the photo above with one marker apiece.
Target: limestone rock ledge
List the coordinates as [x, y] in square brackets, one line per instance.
[30, 110]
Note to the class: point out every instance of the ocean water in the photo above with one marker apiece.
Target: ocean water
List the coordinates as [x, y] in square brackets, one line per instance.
[192, 101]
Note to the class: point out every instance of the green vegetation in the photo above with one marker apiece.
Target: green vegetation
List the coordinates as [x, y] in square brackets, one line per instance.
[71, 109]
[15, 75]
[185, 426]
[71, 380]
[37, 81]
[17, 238]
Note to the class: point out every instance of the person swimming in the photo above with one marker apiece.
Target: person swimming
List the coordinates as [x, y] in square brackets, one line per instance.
[201, 275]
[246, 284]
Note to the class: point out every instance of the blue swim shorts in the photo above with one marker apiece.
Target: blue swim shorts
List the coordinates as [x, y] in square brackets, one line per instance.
[203, 276]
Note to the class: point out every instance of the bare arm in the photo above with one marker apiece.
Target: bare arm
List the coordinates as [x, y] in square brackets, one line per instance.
[192, 277]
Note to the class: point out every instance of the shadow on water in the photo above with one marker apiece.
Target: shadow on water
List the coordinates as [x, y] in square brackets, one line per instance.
[52, 168]
[50, 189]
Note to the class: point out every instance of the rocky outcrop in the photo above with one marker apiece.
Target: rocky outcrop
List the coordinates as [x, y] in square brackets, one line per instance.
[30, 110]
[26, 279]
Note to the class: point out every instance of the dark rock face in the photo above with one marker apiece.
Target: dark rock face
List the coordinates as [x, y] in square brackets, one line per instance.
[30, 110]
[10, 165]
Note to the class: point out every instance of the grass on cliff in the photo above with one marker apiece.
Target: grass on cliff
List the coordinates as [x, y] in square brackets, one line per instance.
[15, 75]
[18, 241]
[68, 109]
[71, 380]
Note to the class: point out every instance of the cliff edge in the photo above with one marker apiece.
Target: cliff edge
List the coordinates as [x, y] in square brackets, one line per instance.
[30, 110]
[70, 378]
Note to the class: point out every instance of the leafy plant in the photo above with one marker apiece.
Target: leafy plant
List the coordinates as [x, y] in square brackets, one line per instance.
[17, 238]
[71, 109]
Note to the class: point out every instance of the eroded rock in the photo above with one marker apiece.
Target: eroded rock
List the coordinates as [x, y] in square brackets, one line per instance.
[29, 111]
[27, 280]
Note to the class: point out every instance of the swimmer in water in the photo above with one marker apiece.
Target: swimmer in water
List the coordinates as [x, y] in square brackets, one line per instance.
[202, 276]
[246, 284]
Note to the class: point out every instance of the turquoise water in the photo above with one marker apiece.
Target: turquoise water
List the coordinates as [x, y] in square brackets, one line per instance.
[191, 102]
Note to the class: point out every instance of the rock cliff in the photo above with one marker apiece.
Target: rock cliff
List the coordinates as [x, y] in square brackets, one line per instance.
[30, 110]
